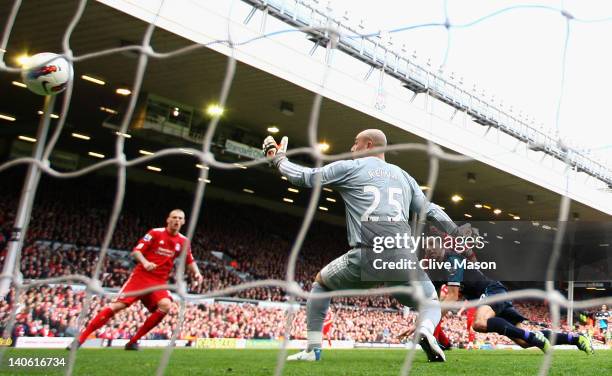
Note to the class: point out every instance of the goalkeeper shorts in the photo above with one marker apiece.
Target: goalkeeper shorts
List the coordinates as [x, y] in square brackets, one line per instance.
[345, 273]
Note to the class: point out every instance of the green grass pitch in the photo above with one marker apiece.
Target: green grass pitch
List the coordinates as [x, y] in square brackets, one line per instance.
[184, 362]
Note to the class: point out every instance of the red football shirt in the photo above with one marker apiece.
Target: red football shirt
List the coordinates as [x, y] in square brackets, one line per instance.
[162, 248]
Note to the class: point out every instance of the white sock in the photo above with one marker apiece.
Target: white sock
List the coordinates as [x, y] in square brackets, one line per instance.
[430, 317]
[314, 339]
[316, 309]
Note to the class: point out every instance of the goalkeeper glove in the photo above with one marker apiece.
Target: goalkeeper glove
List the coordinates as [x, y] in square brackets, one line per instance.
[275, 152]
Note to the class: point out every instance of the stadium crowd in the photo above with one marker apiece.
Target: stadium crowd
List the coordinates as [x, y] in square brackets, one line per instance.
[54, 310]
[40, 260]
[232, 243]
[249, 239]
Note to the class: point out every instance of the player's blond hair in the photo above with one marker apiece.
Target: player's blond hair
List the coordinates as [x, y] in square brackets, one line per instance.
[176, 210]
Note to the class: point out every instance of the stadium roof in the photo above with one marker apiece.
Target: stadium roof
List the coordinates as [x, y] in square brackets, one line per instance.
[254, 104]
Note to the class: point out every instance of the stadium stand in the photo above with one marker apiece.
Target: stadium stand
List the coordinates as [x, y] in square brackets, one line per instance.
[64, 235]
[53, 310]
[63, 232]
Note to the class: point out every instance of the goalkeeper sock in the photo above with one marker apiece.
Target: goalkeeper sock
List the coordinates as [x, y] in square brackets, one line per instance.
[150, 323]
[503, 327]
[96, 323]
[430, 314]
[562, 338]
[316, 310]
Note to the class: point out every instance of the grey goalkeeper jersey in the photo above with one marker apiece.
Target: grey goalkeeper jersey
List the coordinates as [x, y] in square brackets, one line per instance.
[372, 190]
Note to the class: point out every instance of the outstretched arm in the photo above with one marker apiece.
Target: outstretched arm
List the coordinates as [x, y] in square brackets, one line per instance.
[336, 173]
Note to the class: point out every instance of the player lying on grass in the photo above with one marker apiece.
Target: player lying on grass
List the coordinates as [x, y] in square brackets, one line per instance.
[371, 189]
[500, 317]
[155, 254]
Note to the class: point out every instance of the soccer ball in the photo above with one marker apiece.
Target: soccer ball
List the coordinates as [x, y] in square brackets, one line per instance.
[50, 78]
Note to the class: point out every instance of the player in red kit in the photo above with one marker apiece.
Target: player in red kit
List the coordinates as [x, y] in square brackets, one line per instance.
[155, 254]
[441, 337]
[471, 315]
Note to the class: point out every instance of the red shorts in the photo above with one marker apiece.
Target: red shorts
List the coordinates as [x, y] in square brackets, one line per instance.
[150, 300]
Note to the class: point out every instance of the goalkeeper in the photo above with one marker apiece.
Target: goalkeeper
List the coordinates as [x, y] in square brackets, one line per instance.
[371, 189]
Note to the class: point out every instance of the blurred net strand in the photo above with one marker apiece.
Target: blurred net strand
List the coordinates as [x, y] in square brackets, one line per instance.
[449, 25]
[22, 218]
[121, 175]
[201, 185]
[423, 79]
[292, 289]
[595, 170]
[313, 124]
[205, 156]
